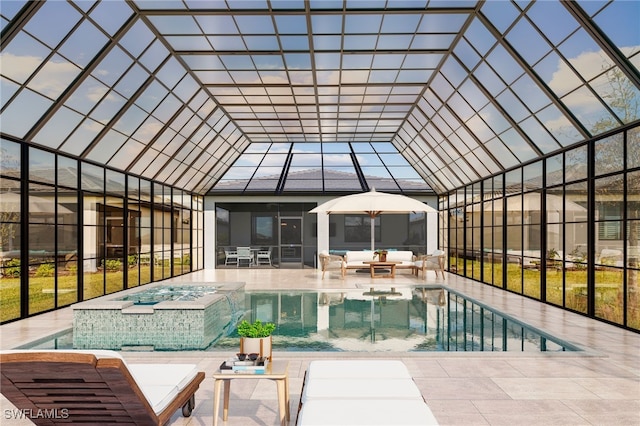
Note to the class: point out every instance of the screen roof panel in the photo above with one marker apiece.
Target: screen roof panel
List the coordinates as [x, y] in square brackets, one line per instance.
[455, 91]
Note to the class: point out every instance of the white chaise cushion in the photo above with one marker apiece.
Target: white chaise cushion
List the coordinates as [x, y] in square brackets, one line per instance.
[358, 368]
[160, 383]
[370, 388]
[369, 412]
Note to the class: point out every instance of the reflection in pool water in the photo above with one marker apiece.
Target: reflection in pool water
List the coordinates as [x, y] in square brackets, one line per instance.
[407, 319]
[392, 319]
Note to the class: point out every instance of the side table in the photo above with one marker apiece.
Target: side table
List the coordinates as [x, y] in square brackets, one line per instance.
[275, 370]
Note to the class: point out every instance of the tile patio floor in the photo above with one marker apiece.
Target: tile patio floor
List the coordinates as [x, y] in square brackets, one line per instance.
[598, 387]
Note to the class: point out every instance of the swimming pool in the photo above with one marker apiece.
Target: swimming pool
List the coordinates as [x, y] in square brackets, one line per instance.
[408, 319]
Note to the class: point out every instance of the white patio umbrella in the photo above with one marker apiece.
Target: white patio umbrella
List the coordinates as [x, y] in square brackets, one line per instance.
[373, 204]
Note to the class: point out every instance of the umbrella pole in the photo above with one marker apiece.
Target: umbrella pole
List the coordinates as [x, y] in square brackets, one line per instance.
[373, 229]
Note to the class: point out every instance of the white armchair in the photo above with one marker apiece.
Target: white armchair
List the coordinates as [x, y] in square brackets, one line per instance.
[430, 262]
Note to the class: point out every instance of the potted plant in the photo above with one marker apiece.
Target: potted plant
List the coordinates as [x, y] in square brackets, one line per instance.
[381, 255]
[255, 337]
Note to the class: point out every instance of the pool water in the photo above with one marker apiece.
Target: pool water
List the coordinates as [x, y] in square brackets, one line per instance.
[411, 319]
[165, 293]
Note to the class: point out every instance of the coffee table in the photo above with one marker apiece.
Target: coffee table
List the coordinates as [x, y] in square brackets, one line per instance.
[389, 264]
[275, 370]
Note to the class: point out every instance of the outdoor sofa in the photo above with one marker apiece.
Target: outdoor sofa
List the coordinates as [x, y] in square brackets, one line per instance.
[96, 387]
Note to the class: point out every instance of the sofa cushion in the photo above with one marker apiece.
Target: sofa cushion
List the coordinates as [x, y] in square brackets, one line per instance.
[353, 257]
[357, 258]
[406, 257]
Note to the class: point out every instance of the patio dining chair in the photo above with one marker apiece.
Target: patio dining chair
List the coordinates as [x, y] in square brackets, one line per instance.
[230, 257]
[263, 257]
[244, 253]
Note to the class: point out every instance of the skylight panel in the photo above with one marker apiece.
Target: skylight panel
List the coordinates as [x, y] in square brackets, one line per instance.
[107, 147]
[585, 55]
[227, 43]
[615, 19]
[605, 87]
[291, 24]
[362, 24]
[503, 155]
[254, 24]
[539, 135]
[217, 24]
[110, 15]
[442, 22]
[23, 112]
[501, 14]
[361, 42]
[175, 24]
[517, 145]
[394, 41]
[262, 43]
[247, 4]
[159, 4]
[192, 43]
[528, 42]
[553, 19]
[400, 23]
[590, 111]
[64, 15]
[22, 56]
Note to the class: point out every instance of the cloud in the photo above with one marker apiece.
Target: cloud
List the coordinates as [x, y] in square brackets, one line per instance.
[54, 78]
[565, 80]
[17, 67]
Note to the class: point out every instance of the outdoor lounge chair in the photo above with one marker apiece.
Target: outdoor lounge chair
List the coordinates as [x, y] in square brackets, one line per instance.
[96, 387]
[361, 392]
[430, 262]
[331, 261]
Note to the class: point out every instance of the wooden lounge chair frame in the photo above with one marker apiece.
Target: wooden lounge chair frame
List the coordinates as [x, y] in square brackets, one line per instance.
[80, 388]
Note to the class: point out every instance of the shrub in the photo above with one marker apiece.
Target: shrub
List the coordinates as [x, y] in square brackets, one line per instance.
[46, 270]
[112, 264]
[12, 268]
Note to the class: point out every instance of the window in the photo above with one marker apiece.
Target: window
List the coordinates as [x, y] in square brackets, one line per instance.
[357, 229]
[611, 227]
[222, 227]
[263, 229]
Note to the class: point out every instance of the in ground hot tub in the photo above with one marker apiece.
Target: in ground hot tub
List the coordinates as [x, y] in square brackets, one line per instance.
[185, 316]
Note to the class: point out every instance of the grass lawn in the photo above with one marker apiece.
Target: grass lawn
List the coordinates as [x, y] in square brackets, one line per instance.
[41, 289]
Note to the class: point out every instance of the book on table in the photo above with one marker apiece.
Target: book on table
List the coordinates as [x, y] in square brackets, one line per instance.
[244, 367]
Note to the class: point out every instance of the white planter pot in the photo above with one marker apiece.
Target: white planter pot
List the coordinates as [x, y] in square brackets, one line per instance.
[257, 345]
